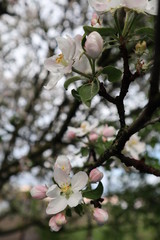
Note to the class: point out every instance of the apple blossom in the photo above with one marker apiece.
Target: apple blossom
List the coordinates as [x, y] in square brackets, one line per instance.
[100, 215]
[149, 7]
[105, 5]
[94, 45]
[138, 5]
[93, 136]
[95, 21]
[63, 163]
[53, 225]
[38, 192]
[108, 131]
[61, 64]
[84, 128]
[60, 219]
[95, 175]
[71, 135]
[67, 191]
[152, 7]
[134, 146]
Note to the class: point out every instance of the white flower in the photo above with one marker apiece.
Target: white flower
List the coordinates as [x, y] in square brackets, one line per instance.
[105, 5]
[67, 191]
[152, 7]
[61, 64]
[63, 163]
[84, 128]
[81, 62]
[134, 146]
[142, 6]
[137, 5]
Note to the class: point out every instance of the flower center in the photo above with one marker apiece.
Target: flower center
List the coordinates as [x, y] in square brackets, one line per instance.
[133, 142]
[60, 60]
[66, 190]
[83, 126]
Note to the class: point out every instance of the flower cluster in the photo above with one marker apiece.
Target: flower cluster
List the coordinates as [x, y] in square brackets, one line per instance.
[93, 131]
[67, 192]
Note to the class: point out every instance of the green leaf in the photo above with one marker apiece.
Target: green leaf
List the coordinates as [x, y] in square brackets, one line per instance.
[149, 32]
[75, 94]
[94, 194]
[68, 212]
[84, 151]
[113, 73]
[71, 80]
[101, 31]
[88, 91]
[79, 209]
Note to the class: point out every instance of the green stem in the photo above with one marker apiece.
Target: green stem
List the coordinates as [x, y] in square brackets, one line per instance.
[80, 73]
[93, 67]
[117, 23]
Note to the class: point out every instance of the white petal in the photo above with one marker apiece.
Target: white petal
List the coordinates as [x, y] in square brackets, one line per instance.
[75, 199]
[53, 191]
[57, 205]
[67, 46]
[61, 177]
[54, 80]
[79, 181]
[63, 163]
[51, 65]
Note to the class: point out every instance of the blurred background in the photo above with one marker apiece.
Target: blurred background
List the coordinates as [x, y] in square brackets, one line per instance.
[33, 124]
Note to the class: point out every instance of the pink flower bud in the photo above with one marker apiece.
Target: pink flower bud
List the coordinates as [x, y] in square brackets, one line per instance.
[71, 135]
[94, 45]
[53, 225]
[93, 137]
[108, 131]
[60, 219]
[38, 192]
[100, 215]
[95, 19]
[95, 175]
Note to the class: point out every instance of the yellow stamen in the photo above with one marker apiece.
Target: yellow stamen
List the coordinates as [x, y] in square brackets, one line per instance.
[83, 126]
[59, 59]
[65, 188]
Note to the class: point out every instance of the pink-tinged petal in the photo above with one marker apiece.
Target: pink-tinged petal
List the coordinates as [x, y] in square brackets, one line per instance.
[79, 181]
[61, 177]
[38, 192]
[60, 219]
[100, 215]
[75, 199]
[95, 175]
[53, 225]
[57, 205]
[53, 191]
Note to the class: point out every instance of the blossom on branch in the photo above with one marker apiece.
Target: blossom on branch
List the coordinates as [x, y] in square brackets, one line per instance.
[94, 45]
[134, 146]
[71, 55]
[84, 129]
[105, 5]
[57, 221]
[100, 216]
[95, 175]
[147, 6]
[67, 191]
[39, 192]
